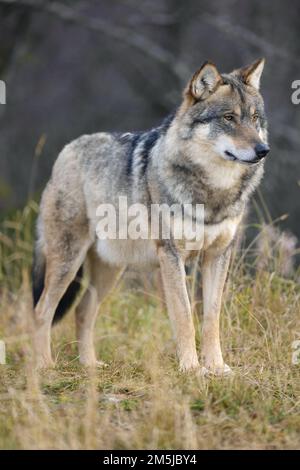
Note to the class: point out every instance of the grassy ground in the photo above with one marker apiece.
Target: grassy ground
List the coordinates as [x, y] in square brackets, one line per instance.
[141, 400]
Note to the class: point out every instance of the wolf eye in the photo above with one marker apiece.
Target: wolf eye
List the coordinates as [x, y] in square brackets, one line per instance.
[228, 117]
[255, 117]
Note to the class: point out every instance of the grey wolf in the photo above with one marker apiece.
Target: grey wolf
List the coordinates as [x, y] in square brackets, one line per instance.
[210, 151]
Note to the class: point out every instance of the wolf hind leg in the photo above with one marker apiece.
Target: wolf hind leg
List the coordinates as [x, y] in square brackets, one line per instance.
[61, 269]
[103, 278]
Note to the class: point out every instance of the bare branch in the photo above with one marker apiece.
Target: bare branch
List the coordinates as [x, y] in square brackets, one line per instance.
[249, 37]
[136, 40]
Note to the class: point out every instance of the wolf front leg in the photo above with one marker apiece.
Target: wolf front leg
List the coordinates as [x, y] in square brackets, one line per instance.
[214, 272]
[103, 277]
[179, 308]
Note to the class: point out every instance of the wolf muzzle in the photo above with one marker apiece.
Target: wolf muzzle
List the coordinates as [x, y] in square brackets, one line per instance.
[261, 151]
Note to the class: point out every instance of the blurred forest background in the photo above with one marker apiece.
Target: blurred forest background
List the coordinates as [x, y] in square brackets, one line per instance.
[74, 67]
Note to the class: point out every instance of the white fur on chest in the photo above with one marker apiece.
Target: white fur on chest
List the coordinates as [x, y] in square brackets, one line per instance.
[143, 252]
[222, 233]
[127, 252]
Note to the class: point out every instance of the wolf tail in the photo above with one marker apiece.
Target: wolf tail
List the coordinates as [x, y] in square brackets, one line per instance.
[38, 283]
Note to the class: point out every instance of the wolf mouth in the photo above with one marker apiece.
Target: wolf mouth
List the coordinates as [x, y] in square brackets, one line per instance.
[233, 158]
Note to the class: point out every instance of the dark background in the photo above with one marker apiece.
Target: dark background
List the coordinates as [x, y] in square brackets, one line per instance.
[74, 67]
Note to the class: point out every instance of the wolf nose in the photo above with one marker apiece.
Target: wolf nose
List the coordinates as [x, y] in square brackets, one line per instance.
[261, 150]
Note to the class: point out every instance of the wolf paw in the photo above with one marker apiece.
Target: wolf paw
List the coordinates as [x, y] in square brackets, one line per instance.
[44, 364]
[101, 364]
[94, 363]
[189, 366]
[219, 371]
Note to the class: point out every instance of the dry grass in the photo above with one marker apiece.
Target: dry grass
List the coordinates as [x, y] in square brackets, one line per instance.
[140, 400]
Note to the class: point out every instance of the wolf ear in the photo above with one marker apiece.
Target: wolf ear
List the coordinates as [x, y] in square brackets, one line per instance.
[204, 82]
[252, 73]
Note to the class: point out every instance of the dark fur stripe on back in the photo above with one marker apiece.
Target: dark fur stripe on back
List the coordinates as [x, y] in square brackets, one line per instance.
[148, 143]
[150, 138]
[133, 139]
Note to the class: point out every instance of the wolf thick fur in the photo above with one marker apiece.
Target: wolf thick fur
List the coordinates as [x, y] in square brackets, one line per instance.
[210, 152]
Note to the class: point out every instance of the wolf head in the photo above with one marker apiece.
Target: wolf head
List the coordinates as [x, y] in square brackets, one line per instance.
[222, 115]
